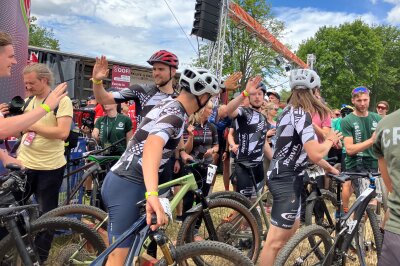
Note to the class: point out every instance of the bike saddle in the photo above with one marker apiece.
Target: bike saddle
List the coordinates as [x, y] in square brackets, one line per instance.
[13, 167]
[103, 158]
[248, 164]
[7, 211]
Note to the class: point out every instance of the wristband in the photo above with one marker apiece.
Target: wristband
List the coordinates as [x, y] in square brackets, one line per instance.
[96, 81]
[46, 107]
[245, 93]
[150, 193]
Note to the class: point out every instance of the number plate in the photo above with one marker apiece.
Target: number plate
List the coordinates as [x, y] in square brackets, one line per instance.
[212, 169]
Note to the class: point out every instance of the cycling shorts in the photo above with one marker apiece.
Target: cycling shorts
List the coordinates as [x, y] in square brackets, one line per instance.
[286, 206]
[244, 182]
[120, 196]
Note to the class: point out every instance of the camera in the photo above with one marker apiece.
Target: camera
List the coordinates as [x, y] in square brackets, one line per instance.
[15, 106]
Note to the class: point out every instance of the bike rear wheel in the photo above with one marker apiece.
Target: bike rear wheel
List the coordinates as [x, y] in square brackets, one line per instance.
[233, 223]
[210, 253]
[299, 251]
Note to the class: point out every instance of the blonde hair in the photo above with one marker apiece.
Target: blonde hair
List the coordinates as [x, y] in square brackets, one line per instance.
[42, 72]
[196, 117]
[305, 99]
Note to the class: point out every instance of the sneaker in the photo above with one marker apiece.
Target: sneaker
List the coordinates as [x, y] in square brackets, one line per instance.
[179, 219]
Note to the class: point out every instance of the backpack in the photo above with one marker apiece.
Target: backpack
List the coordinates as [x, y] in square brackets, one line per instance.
[72, 140]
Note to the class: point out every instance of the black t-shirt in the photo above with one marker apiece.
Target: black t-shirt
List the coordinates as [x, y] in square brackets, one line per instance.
[251, 129]
[294, 129]
[145, 97]
[204, 138]
[165, 120]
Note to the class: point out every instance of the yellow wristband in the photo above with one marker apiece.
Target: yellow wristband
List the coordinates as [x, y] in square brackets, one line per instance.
[46, 107]
[150, 193]
[245, 93]
[96, 81]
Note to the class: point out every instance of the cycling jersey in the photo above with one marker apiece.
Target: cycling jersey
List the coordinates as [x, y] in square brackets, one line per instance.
[251, 129]
[204, 138]
[165, 120]
[145, 97]
[294, 129]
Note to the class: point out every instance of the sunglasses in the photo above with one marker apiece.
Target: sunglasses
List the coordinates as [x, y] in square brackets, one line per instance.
[381, 107]
[360, 90]
[337, 114]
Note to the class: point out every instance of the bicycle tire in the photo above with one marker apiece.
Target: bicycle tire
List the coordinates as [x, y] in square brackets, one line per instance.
[228, 231]
[303, 235]
[242, 200]
[58, 226]
[208, 248]
[373, 220]
[89, 213]
[310, 213]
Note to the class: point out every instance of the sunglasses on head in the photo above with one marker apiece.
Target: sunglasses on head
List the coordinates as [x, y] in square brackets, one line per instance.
[381, 107]
[360, 90]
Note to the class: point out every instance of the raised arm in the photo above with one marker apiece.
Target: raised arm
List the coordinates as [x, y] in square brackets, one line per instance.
[100, 72]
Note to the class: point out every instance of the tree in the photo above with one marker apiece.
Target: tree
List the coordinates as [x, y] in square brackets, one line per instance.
[356, 54]
[42, 37]
[243, 51]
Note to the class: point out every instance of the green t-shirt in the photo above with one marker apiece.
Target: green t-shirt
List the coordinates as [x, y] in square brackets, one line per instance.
[112, 129]
[360, 129]
[387, 145]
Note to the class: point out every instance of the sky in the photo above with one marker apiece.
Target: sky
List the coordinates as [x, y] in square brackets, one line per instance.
[131, 31]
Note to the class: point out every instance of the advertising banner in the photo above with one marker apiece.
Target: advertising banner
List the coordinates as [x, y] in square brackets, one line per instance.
[121, 77]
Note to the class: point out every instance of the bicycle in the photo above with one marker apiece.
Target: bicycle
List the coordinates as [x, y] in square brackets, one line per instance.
[204, 251]
[210, 210]
[32, 243]
[329, 250]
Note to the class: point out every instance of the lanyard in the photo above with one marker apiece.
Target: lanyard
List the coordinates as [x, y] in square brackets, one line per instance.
[109, 129]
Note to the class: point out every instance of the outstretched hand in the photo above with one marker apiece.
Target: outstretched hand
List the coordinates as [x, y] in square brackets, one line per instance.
[56, 95]
[253, 84]
[100, 69]
[232, 82]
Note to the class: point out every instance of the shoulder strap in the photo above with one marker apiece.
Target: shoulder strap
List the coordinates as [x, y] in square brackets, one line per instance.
[27, 103]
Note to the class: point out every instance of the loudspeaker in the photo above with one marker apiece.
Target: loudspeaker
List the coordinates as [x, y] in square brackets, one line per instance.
[206, 19]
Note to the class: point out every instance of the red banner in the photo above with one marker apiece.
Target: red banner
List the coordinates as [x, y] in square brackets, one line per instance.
[121, 77]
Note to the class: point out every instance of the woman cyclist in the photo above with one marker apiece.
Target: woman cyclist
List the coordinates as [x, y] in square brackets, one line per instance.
[135, 176]
[296, 143]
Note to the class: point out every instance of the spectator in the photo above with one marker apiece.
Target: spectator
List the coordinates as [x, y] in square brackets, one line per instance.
[382, 108]
[42, 148]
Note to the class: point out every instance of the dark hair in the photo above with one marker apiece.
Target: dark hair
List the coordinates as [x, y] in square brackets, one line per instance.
[5, 39]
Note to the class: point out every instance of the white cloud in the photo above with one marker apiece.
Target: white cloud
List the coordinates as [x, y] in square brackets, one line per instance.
[303, 23]
[124, 30]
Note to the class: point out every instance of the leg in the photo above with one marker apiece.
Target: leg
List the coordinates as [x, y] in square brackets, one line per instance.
[347, 190]
[276, 239]
[226, 172]
[48, 187]
[120, 197]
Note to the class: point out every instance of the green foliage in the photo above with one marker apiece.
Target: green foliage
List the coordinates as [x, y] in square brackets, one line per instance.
[42, 37]
[356, 54]
[243, 51]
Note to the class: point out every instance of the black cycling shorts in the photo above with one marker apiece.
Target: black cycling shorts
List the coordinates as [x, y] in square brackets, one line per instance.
[286, 205]
[244, 182]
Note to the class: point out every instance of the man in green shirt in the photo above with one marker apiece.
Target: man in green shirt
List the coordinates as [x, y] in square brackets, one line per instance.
[358, 131]
[111, 128]
[387, 149]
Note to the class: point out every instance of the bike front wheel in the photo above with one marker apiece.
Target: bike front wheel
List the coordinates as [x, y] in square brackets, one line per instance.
[210, 253]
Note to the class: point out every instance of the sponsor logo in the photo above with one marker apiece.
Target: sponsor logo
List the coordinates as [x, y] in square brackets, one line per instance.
[289, 216]
[120, 124]
[351, 224]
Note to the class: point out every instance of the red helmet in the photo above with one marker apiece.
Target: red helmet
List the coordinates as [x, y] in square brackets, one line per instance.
[164, 57]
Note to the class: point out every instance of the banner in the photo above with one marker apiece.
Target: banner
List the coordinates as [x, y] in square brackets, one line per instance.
[14, 20]
[121, 77]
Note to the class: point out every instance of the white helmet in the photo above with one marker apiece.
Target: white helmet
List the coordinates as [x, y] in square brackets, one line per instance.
[304, 79]
[199, 81]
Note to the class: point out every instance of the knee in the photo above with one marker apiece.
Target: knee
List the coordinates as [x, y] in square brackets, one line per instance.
[275, 244]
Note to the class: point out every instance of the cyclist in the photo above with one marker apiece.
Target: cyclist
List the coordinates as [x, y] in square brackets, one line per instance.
[358, 131]
[14, 125]
[387, 149]
[144, 159]
[296, 143]
[251, 129]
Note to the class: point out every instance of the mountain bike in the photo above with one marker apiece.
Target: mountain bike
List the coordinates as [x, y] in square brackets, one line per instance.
[43, 240]
[207, 252]
[211, 211]
[334, 250]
